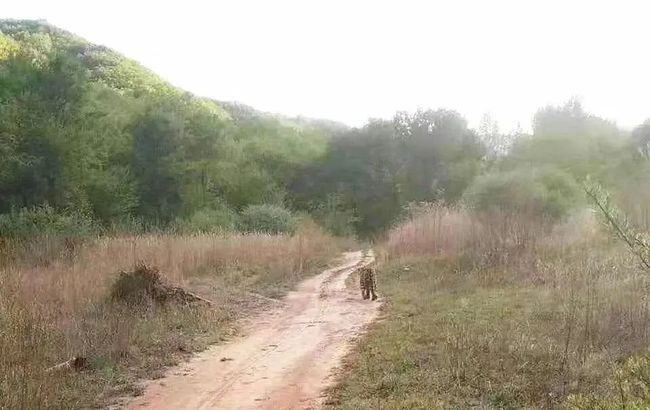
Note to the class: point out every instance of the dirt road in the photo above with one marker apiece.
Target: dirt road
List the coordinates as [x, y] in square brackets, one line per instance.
[286, 358]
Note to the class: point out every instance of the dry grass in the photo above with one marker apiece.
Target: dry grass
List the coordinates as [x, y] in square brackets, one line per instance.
[57, 307]
[498, 314]
[432, 230]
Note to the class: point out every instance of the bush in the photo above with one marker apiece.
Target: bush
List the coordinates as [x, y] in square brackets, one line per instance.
[138, 286]
[547, 193]
[271, 219]
[217, 219]
[128, 225]
[333, 216]
[44, 220]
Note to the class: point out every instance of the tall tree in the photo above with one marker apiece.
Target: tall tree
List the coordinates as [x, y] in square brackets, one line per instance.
[155, 142]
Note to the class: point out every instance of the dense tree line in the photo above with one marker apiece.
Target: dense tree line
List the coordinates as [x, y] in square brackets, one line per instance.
[371, 174]
[90, 135]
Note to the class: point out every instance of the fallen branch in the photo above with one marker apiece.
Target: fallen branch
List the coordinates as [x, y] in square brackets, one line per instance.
[183, 295]
[76, 363]
[146, 283]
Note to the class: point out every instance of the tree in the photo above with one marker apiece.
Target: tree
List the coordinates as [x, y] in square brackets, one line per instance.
[359, 172]
[375, 171]
[641, 138]
[570, 139]
[155, 141]
[439, 155]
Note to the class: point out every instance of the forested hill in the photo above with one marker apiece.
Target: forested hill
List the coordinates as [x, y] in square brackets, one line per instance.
[89, 138]
[86, 130]
[243, 112]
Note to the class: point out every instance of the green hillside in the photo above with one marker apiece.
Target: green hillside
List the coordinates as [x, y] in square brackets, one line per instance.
[85, 130]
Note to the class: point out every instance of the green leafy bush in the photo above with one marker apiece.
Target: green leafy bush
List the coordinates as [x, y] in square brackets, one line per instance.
[268, 219]
[43, 220]
[543, 192]
[218, 219]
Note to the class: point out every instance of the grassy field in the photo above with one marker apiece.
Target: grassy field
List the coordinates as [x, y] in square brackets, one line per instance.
[54, 304]
[502, 315]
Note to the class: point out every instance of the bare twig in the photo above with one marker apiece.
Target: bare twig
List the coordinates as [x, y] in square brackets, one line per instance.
[637, 242]
[76, 363]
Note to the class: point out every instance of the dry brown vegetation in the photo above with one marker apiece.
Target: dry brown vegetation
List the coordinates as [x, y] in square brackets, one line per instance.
[502, 311]
[55, 304]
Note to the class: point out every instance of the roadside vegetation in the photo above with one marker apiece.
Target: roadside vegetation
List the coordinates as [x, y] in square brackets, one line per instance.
[530, 292]
[513, 265]
[57, 306]
[496, 314]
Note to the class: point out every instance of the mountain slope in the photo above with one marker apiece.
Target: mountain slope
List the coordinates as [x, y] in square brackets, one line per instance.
[84, 128]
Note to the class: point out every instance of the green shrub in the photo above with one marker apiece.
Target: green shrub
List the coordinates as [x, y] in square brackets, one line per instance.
[335, 217]
[266, 218]
[44, 220]
[545, 192]
[208, 220]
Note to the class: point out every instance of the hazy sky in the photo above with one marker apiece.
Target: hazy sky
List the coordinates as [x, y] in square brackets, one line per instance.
[351, 60]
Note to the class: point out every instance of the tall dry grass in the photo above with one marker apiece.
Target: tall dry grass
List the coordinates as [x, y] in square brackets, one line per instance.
[70, 281]
[57, 307]
[488, 240]
[432, 230]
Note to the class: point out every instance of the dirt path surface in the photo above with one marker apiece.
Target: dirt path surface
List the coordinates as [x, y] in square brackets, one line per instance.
[287, 357]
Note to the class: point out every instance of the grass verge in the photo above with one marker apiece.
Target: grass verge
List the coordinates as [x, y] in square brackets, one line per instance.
[57, 307]
[552, 324]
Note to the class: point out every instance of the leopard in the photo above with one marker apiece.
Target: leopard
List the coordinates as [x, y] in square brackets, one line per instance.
[367, 283]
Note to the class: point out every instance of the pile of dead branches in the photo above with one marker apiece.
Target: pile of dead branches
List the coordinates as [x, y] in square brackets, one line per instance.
[145, 284]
